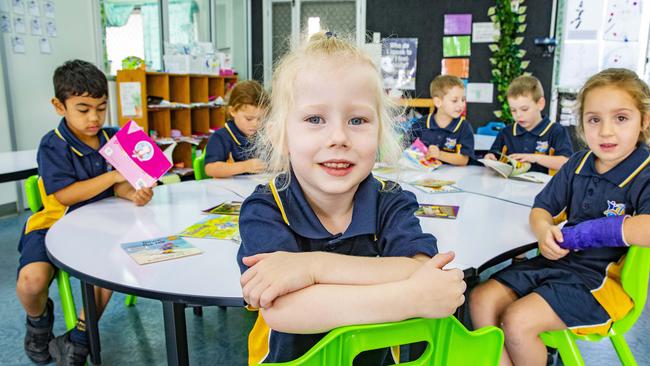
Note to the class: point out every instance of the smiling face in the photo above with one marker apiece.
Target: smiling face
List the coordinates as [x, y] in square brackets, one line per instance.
[333, 127]
[452, 103]
[84, 115]
[612, 124]
[525, 111]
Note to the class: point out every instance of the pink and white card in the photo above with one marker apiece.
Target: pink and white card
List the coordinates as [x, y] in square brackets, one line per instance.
[136, 156]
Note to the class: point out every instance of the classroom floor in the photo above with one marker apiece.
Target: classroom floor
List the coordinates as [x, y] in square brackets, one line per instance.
[136, 335]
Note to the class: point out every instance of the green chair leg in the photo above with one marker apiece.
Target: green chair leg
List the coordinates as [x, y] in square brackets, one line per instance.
[565, 345]
[67, 301]
[623, 350]
[130, 300]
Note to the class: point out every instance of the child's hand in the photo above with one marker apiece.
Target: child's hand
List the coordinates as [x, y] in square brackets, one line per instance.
[490, 156]
[531, 158]
[548, 243]
[142, 196]
[434, 152]
[437, 292]
[255, 166]
[272, 275]
[117, 177]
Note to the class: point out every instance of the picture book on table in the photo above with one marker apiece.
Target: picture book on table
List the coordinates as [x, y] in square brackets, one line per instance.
[159, 249]
[513, 169]
[415, 156]
[136, 156]
[440, 211]
[224, 227]
[430, 185]
[225, 208]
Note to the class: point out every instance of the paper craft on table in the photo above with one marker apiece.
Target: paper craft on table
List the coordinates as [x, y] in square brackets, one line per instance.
[136, 156]
[623, 21]
[455, 46]
[479, 92]
[458, 24]
[485, 32]
[439, 211]
[583, 19]
[159, 249]
[455, 66]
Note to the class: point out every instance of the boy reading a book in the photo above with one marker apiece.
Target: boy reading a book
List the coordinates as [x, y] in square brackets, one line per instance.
[448, 136]
[72, 174]
[532, 138]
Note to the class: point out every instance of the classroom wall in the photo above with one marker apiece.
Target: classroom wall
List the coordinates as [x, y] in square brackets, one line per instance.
[424, 19]
[7, 190]
[30, 74]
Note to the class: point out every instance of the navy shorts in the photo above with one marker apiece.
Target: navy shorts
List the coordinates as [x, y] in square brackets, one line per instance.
[32, 248]
[560, 286]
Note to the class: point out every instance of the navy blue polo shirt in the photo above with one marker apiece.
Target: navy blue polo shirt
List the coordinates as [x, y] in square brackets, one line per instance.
[383, 224]
[547, 138]
[586, 194]
[458, 136]
[227, 143]
[63, 159]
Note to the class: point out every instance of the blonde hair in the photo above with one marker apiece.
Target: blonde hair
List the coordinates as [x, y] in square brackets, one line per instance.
[526, 86]
[270, 143]
[441, 84]
[624, 79]
[248, 92]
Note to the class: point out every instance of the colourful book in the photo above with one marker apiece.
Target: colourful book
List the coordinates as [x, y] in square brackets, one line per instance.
[224, 227]
[430, 185]
[136, 156]
[159, 249]
[225, 208]
[440, 211]
[415, 156]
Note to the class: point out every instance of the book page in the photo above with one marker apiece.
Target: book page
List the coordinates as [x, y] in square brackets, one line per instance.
[502, 168]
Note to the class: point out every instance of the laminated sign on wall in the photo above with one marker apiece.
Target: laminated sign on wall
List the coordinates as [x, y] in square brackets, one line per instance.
[398, 63]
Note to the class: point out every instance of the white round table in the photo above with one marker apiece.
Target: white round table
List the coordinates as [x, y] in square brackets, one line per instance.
[86, 243]
[17, 165]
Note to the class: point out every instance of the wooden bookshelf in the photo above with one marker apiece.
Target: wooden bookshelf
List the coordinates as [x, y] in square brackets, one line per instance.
[176, 88]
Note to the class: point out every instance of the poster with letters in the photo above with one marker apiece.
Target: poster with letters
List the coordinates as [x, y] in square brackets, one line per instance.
[398, 63]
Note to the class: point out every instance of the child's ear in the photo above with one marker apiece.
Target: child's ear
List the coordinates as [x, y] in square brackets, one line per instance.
[541, 103]
[59, 107]
[645, 122]
[437, 101]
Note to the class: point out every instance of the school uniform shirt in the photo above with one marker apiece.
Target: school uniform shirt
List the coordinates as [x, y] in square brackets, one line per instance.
[584, 194]
[547, 138]
[62, 160]
[227, 144]
[457, 137]
[383, 224]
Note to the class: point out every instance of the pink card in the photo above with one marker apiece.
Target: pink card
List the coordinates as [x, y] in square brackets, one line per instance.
[136, 156]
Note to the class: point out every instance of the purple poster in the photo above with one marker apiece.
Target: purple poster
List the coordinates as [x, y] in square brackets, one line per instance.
[458, 24]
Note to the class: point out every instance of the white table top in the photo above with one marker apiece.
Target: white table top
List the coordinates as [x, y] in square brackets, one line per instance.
[87, 241]
[17, 161]
[483, 142]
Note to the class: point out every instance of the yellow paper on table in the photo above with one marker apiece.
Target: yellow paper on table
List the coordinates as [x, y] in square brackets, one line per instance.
[224, 227]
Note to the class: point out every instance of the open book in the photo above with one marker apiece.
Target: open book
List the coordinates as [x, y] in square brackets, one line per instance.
[516, 170]
[415, 156]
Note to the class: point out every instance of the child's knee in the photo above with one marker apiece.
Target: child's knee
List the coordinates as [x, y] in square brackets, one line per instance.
[33, 281]
[517, 322]
[483, 296]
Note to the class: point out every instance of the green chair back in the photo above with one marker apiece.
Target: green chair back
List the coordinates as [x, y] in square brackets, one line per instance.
[634, 278]
[449, 343]
[198, 164]
[33, 195]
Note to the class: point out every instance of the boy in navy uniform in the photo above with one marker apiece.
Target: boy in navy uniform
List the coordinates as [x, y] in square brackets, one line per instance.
[72, 174]
[449, 136]
[532, 138]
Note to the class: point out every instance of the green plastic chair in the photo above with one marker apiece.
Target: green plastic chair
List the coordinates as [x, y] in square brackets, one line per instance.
[449, 343]
[634, 278]
[62, 278]
[198, 164]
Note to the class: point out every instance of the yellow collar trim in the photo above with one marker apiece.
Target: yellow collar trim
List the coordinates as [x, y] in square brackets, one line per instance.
[582, 162]
[550, 124]
[276, 197]
[514, 128]
[56, 130]
[462, 119]
[232, 134]
[635, 172]
[429, 120]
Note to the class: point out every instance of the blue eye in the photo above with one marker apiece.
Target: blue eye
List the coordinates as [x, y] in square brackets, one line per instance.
[314, 120]
[357, 121]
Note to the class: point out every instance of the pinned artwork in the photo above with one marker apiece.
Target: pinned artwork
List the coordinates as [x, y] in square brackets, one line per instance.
[622, 20]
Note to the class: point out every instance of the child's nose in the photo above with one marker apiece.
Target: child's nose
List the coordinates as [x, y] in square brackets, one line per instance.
[338, 134]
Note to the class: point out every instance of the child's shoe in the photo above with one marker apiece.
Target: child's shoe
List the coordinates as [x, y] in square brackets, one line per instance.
[66, 352]
[38, 334]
